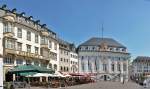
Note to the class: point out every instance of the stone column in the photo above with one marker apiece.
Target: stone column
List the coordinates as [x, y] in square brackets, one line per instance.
[14, 77]
[115, 67]
[109, 65]
[15, 61]
[93, 66]
[127, 71]
[86, 66]
[100, 65]
[121, 77]
[40, 79]
[80, 66]
[24, 61]
[46, 79]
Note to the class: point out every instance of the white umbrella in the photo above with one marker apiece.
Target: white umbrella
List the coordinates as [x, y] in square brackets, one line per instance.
[41, 75]
[67, 75]
[58, 74]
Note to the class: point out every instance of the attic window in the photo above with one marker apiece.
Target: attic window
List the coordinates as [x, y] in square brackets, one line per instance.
[86, 48]
[93, 48]
[111, 49]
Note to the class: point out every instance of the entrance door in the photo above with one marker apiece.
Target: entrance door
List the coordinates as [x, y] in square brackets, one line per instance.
[105, 77]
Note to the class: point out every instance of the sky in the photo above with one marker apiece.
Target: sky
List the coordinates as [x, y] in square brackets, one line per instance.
[127, 21]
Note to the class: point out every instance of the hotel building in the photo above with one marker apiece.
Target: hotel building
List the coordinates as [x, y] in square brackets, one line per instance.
[25, 41]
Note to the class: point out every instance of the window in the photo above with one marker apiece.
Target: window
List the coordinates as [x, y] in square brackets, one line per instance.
[104, 67]
[43, 65]
[50, 44]
[61, 59]
[55, 46]
[36, 38]
[44, 40]
[19, 61]
[36, 50]
[64, 60]
[93, 48]
[64, 68]
[118, 67]
[67, 69]
[55, 67]
[8, 27]
[19, 33]
[29, 35]
[19, 46]
[29, 48]
[61, 68]
[28, 62]
[10, 44]
[82, 66]
[124, 67]
[50, 66]
[8, 60]
[112, 67]
[36, 63]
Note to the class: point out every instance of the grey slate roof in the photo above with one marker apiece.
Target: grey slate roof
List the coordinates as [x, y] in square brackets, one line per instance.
[97, 41]
[140, 58]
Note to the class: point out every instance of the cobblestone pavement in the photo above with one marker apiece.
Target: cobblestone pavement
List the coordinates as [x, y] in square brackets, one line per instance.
[100, 85]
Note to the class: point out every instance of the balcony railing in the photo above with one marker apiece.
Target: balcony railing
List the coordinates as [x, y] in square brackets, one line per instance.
[8, 34]
[44, 33]
[23, 53]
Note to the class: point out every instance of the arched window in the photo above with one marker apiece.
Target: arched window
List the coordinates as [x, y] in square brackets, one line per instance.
[67, 69]
[55, 67]
[61, 68]
[50, 65]
[64, 69]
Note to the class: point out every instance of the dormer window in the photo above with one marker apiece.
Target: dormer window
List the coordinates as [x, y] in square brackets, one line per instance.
[111, 49]
[117, 49]
[93, 48]
[86, 48]
[123, 50]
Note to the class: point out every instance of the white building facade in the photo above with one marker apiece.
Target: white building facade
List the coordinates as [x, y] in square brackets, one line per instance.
[25, 41]
[68, 57]
[140, 67]
[105, 58]
[73, 59]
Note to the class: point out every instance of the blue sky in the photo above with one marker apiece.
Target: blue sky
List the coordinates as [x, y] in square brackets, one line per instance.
[127, 21]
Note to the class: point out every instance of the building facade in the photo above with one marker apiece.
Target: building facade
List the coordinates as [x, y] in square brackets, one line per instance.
[106, 58]
[73, 59]
[141, 67]
[25, 41]
[68, 57]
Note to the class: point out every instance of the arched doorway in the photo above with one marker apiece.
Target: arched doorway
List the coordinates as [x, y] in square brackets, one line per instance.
[9, 77]
[105, 77]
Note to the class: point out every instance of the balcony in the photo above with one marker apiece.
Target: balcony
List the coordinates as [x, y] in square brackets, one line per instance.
[9, 17]
[8, 34]
[44, 46]
[44, 33]
[10, 51]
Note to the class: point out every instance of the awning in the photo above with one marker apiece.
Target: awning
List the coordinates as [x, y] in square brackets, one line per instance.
[25, 70]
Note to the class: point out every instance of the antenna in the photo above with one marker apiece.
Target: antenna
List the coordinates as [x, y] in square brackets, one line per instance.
[102, 31]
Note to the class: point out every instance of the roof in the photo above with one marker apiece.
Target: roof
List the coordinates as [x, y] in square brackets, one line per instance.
[139, 58]
[98, 41]
[31, 68]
